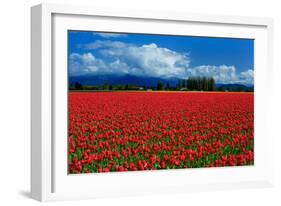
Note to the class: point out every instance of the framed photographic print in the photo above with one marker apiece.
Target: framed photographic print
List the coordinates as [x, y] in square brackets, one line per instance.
[137, 102]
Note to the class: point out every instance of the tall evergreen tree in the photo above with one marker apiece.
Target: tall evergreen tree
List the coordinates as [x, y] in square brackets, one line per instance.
[167, 86]
[212, 86]
[160, 85]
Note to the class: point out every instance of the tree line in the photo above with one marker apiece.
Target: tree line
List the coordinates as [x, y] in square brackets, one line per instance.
[200, 83]
[190, 84]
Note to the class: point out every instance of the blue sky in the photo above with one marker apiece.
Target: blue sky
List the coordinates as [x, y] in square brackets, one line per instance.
[97, 53]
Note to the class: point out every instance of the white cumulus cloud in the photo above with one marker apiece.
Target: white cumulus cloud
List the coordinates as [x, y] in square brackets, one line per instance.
[151, 60]
[81, 64]
[223, 74]
[247, 77]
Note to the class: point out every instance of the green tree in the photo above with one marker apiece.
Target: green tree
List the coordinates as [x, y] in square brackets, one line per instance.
[178, 86]
[167, 86]
[127, 87]
[189, 86]
[212, 84]
[182, 83]
[205, 83]
[78, 86]
[160, 85]
[201, 83]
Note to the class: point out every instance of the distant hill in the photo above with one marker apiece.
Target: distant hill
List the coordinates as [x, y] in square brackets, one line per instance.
[126, 79]
[235, 87]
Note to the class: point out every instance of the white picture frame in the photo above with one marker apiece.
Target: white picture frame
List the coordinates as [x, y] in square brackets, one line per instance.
[49, 179]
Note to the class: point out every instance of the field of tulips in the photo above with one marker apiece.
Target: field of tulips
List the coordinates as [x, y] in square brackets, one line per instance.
[127, 131]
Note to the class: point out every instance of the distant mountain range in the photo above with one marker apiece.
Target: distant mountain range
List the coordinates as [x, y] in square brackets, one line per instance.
[125, 79]
[145, 81]
[235, 87]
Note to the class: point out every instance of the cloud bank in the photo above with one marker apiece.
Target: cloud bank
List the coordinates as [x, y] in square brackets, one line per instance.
[223, 74]
[148, 60]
